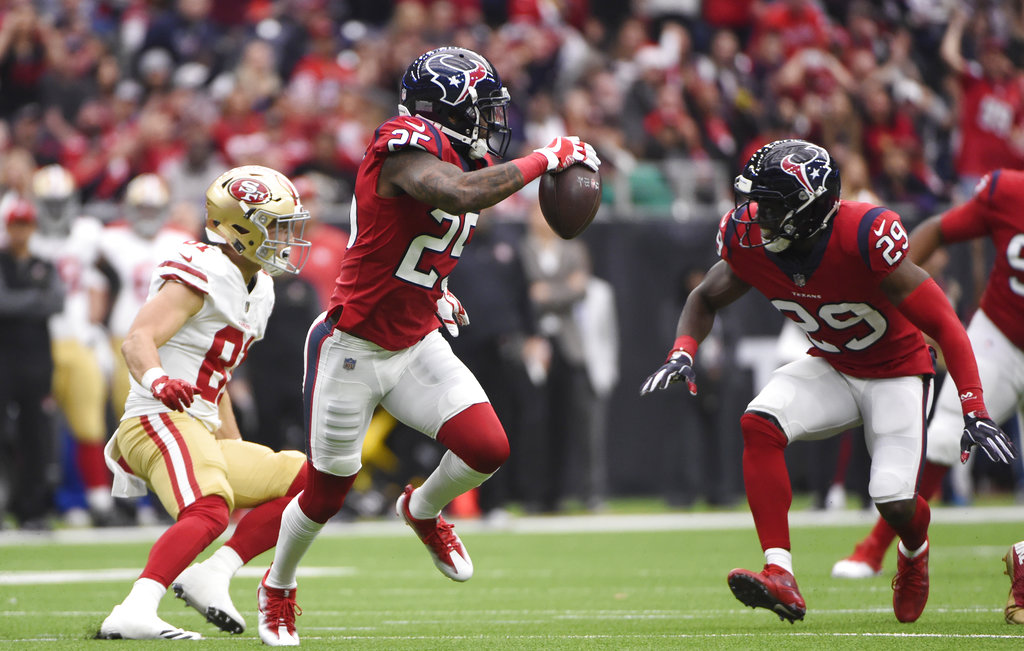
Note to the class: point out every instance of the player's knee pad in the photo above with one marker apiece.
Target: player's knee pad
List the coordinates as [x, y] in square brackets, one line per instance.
[476, 436]
[323, 494]
[760, 430]
[887, 486]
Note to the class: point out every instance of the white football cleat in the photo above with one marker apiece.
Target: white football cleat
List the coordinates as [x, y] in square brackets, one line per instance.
[127, 623]
[207, 592]
[277, 611]
[443, 544]
[851, 569]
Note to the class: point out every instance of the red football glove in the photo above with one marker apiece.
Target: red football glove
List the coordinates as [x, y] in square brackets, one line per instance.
[565, 151]
[451, 312]
[176, 394]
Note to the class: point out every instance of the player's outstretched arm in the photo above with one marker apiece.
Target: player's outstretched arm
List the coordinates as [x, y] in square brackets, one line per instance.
[719, 288]
[443, 185]
[919, 298]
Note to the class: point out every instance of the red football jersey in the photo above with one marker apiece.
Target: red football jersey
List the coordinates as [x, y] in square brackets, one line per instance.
[833, 294]
[399, 248]
[995, 211]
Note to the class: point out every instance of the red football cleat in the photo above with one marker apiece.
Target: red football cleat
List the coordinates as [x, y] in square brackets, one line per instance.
[910, 586]
[1014, 559]
[446, 550]
[773, 588]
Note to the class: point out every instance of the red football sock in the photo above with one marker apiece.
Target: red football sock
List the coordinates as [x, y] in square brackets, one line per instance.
[766, 478]
[914, 533]
[198, 525]
[882, 534]
[257, 530]
[89, 458]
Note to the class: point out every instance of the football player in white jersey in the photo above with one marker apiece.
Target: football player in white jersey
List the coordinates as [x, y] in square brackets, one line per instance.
[207, 304]
[131, 248]
[71, 242]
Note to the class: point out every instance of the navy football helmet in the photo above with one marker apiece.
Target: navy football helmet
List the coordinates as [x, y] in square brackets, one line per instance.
[461, 92]
[795, 185]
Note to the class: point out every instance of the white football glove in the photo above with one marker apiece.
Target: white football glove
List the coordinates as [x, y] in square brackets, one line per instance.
[568, 150]
[450, 311]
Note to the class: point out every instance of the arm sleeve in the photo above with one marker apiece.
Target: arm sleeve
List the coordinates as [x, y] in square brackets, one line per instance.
[928, 309]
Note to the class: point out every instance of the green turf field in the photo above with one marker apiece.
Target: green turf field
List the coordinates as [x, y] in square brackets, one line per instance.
[544, 587]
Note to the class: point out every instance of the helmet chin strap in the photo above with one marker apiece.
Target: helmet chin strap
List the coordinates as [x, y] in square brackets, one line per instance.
[476, 145]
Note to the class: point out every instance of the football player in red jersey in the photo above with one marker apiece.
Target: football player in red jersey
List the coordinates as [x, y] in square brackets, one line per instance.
[996, 332]
[422, 182]
[839, 269]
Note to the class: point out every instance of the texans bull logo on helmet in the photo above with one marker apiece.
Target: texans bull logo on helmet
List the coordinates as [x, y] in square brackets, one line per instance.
[249, 191]
[809, 167]
[474, 73]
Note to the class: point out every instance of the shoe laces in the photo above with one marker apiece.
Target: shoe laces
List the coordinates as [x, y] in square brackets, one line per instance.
[441, 535]
[909, 576]
[281, 609]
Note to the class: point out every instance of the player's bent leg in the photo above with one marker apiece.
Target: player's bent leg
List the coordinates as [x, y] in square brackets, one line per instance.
[910, 585]
[477, 446]
[205, 586]
[766, 478]
[866, 559]
[442, 543]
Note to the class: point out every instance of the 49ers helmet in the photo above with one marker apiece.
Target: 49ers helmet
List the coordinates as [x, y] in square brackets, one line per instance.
[461, 92]
[257, 211]
[795, 185]
[146, 204]
[55, 195]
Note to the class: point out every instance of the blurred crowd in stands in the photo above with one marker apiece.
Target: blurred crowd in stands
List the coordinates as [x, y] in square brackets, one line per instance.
[915, 98]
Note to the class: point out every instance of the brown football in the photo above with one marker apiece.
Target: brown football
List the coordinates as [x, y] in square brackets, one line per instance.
[569, 199]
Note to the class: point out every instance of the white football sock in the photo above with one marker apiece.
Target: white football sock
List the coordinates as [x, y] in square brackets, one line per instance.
[915, 553]
[297, 533]
[451, 478]
[224, 561]
[145, 594]
[779, 556]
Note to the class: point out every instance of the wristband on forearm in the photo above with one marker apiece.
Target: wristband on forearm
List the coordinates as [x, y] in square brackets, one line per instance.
[151, 376]
[531, 166]
[686, 344]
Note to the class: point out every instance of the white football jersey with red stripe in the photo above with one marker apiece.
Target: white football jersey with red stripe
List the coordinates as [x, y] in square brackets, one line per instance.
[75, 257]
[133, 258]
[214, 341]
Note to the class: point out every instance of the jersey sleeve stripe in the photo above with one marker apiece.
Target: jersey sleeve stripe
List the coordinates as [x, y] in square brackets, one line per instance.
[730, 233]
[177, 278]
[992, 184]
[437, 138]
[864, 233]
[192, 270]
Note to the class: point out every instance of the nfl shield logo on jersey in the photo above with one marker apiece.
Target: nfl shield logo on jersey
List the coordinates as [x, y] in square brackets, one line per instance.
[350, 363]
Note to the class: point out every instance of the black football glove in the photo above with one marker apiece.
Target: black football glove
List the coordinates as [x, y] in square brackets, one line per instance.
[679, 366]
[983, 432]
